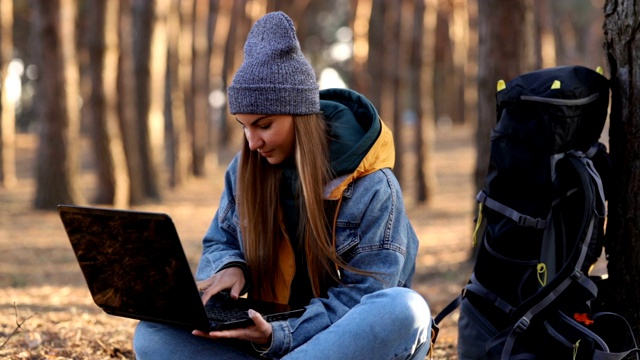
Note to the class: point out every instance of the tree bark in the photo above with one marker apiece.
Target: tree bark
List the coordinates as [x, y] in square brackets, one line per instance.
[234, 55]
[375, 63]
[221, 29]
[127, 103]
[7, 108]
[57, 168]
[423, 59]
[112, 174]
[360, 26]
[148, 59]
[459, 35]
[391, 106]
[622, 45]
[157, 84]
[198, 122]
[180, 21]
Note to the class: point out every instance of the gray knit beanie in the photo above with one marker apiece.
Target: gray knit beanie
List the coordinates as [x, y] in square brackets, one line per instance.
[275, 77]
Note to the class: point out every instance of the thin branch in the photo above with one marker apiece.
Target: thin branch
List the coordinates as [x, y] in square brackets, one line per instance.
[18, 325]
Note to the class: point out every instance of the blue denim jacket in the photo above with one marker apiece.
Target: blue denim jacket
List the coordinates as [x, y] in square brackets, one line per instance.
[372, 231]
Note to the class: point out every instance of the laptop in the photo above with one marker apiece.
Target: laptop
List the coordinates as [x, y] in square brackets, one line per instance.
[135, 267]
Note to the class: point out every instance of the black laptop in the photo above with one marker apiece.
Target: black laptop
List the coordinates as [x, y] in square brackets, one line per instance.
[135, 267]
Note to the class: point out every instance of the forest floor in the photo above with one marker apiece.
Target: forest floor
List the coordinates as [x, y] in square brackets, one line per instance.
[46, 311]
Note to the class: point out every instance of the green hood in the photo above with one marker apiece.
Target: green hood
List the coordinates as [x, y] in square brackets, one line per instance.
[353, 128]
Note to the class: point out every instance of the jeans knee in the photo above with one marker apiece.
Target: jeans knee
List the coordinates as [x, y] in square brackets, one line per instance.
[142, 341]
[150, 339]
[409, 308]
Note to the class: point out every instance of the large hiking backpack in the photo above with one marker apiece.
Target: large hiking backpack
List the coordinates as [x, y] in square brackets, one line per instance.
[540, 227]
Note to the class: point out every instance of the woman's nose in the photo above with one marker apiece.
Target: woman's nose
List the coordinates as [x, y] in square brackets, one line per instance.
[255, 142]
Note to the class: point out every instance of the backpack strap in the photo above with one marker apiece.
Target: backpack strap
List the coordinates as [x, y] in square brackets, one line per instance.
[449, 308]
[601, 355]
[512, 332]
[519, 218]
[477, 288]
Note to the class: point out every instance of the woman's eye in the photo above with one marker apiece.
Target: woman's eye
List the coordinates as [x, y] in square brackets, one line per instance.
[264, 127]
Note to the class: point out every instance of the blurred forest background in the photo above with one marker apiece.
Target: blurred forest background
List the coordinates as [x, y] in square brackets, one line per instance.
[145, 81]
[132, 92]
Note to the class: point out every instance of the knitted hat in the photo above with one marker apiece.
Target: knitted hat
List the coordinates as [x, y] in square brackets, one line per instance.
[275, 77]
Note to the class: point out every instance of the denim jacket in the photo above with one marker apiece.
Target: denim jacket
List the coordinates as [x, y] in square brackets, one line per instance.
[372, 233]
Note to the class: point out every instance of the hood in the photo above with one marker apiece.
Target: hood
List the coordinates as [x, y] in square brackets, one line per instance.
[360, 142]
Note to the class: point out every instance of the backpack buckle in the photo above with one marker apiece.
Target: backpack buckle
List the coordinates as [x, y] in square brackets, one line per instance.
[524, 220]
[576, 274]
[521, 325]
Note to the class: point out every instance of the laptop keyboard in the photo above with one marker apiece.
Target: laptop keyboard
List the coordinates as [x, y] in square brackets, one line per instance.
[224, 315]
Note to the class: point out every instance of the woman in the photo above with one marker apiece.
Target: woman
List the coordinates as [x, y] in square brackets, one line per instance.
[311, 214]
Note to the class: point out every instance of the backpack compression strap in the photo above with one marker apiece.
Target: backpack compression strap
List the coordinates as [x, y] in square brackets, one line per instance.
[519, 218]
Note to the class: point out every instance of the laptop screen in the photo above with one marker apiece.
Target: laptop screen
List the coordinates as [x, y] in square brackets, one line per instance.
[134, 264]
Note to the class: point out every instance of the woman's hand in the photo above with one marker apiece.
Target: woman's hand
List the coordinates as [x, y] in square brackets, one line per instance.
[231, 278]
[259, 333]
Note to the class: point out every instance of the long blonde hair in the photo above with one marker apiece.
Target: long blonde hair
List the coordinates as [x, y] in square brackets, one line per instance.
[261, 216]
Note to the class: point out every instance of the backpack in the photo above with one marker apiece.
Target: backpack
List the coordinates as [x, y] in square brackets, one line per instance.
[540, 227]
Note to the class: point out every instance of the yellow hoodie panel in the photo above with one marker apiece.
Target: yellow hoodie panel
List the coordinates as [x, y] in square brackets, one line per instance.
[381, 155]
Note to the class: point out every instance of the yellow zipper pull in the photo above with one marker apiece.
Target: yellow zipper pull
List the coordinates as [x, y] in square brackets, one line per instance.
[542, 274]
[478, 225]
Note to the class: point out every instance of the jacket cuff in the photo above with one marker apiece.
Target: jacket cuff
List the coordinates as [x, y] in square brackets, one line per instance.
[281, 341]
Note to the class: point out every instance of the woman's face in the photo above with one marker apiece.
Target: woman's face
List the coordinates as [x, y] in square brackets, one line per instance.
[271, 135]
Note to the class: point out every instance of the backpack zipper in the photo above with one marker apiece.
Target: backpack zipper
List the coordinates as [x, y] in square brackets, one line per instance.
[570, 102]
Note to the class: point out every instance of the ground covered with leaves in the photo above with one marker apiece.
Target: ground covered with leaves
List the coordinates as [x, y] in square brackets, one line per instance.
[46, 311]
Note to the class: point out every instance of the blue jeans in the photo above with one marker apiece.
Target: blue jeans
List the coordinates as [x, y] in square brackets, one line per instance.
[365, 332]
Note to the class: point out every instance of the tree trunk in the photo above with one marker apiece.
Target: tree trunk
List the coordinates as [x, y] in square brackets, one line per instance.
[444, 79]
[471, 67]
[545, 36]
[458, 35]
[149, 85]
[391, 104]
[198, 123]
[180, 20]
[361, 20]
[7, 109]
[622, 44]
[112, 173]
[232, 60]
[221, 20]
[375, 64]
[127, 102]
[157, 77]
[423, 59]
[57, 168]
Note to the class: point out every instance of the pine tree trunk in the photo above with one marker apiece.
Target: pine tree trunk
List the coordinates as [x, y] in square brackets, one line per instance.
[57, 168]
[622, 44]
[198, 124]
[423, 57]
[113, 177]
[180, 20]
[149, 86]
[7, 108]
[127, 103]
